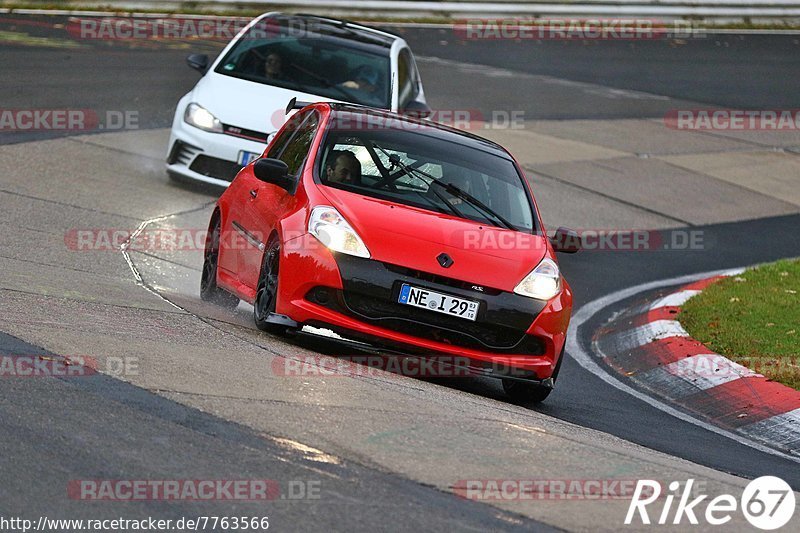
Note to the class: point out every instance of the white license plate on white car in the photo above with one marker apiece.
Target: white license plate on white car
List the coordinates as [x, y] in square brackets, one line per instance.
[245, 158]
[436, 301]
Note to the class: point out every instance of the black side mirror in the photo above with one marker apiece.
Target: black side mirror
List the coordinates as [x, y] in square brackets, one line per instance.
[198, 62]
[276, 172]
[417, 109]
[566, 240]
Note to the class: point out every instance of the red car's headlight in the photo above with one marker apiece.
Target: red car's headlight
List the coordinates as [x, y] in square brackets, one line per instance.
[542, 283]
[332, 230]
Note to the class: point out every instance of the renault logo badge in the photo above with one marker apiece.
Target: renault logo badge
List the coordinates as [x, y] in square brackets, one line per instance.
[445, 260]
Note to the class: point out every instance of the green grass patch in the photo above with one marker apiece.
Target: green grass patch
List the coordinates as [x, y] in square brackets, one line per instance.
[753, 319]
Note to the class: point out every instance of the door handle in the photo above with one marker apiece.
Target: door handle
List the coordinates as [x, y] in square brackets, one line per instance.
[253, 193]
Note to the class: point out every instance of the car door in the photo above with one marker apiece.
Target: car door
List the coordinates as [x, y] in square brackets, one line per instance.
[267, 203]
[246, 188]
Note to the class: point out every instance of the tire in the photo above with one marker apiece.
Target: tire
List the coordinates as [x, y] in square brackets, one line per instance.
[209, 291]
[528, 393]
[267, 290]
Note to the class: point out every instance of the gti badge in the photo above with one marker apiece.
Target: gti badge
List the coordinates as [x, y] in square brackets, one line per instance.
[445, 260]
[477, 288]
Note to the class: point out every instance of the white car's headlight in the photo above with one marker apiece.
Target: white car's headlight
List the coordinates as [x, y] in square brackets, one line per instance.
[200, 117]
[542, 283]
[332, 230]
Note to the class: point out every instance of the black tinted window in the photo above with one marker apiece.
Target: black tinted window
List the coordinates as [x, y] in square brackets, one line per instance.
[413, 167]
[275, 53]
[296, 150]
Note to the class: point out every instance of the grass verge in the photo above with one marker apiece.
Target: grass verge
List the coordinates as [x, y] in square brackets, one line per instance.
[753, 319]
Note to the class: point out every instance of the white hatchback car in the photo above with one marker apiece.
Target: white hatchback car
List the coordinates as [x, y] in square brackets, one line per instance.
[226, 120]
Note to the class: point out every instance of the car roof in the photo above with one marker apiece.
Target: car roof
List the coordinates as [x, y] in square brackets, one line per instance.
[342, 29]
[440, 131]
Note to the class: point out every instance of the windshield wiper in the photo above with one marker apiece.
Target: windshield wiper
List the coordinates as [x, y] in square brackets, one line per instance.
[394, 159]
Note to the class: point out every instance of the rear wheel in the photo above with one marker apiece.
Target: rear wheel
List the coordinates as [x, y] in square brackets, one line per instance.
[267, 290]
[209, 291]
[523, 392]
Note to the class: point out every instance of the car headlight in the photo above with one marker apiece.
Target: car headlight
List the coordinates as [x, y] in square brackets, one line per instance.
[332, 230]
[200, 117]
[542, 283]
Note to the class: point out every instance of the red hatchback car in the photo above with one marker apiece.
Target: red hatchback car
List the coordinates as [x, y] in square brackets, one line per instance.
[408, 235]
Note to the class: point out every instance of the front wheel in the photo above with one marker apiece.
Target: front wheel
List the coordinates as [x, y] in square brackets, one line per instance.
[522, 392]
[267, 290]
[209, 291]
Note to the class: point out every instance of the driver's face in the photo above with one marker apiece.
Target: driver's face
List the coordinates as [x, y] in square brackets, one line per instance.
[343, 171]
[273, 65]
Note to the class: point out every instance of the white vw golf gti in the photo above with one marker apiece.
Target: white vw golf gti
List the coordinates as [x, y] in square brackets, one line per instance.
[225, 121]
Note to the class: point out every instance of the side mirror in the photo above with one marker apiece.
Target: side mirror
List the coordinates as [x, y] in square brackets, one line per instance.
[199, 62]
[417, 109]
[566, 240]
[274, 171]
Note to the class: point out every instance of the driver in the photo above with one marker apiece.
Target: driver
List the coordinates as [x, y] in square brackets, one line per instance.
[273, 66]
[343, 166]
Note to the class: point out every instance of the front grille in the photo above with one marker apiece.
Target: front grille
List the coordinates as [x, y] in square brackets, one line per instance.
[215, 167]
[258, 136]
[427, 324]
[182, 153]
[435, 278]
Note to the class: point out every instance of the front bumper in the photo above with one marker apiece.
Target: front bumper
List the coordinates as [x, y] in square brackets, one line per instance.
[357, 298]
[205, 156]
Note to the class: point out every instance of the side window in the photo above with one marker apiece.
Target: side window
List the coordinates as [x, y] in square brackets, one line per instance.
[282, 139]
[405, 78]
[296, 150]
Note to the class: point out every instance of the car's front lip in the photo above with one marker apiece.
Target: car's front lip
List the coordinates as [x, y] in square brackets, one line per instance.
[370, 291]
[446, 364]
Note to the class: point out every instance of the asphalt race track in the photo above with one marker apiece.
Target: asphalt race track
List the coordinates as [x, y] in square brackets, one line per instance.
[388, 450]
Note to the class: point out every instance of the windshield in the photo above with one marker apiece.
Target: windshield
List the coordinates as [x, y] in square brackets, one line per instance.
[414, 168]
[322, 65]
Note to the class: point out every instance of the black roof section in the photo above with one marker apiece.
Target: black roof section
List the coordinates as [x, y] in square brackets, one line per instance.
[440, 131]
[342, 28]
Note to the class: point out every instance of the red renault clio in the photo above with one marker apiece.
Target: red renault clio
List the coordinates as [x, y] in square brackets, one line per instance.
[401, 233]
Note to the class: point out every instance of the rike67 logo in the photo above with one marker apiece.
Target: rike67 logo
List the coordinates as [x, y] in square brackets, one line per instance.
[767, 502]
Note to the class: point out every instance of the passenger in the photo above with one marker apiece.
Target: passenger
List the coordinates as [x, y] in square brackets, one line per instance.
[365, 80]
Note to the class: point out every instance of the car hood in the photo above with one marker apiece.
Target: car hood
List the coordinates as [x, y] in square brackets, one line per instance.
[246, 104]
[413, 238]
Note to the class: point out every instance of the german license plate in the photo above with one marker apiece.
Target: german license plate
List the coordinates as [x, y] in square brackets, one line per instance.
[436, 301]
[245, 158]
